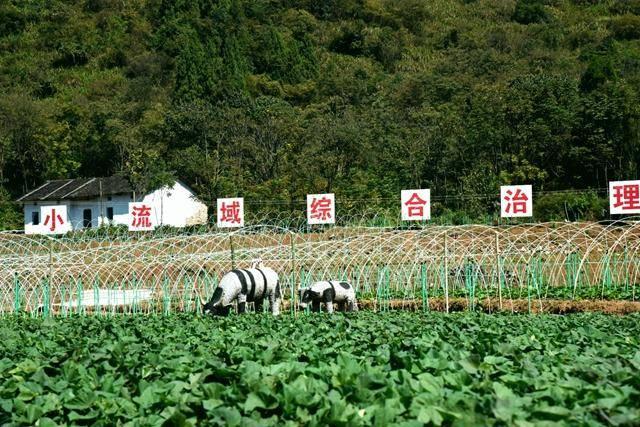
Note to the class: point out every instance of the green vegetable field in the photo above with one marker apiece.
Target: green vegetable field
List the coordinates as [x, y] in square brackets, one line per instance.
[363, 369]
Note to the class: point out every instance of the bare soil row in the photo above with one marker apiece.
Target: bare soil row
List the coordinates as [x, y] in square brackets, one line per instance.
[550, 306]
[515, 306]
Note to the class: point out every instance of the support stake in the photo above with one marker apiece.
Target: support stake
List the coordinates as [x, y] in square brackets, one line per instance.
[499, 270]
[233, 255]
[293, 277]
[446, 273]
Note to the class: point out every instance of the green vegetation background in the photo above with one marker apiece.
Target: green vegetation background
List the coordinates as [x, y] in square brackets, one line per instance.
[274, 99]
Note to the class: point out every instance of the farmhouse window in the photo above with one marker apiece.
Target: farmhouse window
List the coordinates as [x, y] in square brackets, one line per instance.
[110, 213]
[35, 218]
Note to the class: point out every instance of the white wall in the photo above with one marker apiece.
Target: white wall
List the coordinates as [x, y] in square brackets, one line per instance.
[119, 203]
[175, 206]
[75, 211]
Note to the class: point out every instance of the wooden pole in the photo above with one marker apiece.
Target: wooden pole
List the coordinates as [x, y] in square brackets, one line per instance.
[498, 270]
[233, 257]
[293, 276]
[101, 215]
[446, 273]
[50, 280]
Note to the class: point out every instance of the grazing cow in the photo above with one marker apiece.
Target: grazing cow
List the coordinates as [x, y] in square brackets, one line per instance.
[329, 292]
[254, 284]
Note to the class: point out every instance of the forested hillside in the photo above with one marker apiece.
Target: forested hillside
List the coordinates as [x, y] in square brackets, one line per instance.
[274, 99]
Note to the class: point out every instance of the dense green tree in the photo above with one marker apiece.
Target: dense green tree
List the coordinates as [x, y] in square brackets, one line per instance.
[530, 12]
[275, 99]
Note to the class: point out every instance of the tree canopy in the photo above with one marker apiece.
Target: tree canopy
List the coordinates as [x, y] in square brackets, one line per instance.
[275, 99]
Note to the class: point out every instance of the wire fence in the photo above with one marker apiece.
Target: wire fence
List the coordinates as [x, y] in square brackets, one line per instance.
[294, 220]
[447, 209]
[512, 267]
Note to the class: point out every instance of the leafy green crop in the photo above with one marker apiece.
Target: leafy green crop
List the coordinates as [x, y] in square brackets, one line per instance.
[617, 293]
[362, 369]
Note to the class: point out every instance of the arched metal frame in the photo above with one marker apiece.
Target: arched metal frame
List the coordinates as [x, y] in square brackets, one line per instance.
[170, 272]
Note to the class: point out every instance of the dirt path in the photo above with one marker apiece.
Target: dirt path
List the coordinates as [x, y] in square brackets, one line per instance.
[516, 306]
[513, 305]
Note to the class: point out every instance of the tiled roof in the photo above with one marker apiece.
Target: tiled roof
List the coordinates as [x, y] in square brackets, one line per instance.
[79, 188]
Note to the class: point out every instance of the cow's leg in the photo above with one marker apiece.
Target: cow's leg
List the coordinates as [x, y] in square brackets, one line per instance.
[342, 306]
[315, 306]
[242, 304]
[327, 298]
[274, 300]
[258, 305]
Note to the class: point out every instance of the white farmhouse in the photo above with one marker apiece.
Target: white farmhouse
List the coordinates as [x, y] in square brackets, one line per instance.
[92, 202]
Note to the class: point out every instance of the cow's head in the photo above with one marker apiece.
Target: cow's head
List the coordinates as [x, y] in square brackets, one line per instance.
[306, 296]
[214, 307]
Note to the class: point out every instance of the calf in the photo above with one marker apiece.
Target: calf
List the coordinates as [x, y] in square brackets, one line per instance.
[329, 292]
[254, 284]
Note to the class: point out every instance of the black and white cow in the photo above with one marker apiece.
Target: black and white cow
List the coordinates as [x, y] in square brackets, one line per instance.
[255, 284]
[329, 292]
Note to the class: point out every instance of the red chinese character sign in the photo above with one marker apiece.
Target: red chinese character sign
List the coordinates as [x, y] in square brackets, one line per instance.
[141, 217]
[230, 212]
[516, 201]
[321, 209]
[54, 220]
[624, 197]
[415, 205]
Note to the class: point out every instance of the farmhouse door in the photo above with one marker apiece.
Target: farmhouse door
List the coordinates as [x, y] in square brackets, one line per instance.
[86, 218]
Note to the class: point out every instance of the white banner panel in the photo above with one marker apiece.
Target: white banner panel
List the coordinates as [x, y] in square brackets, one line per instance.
[53, 220]
[415, 205]
[141, 217]
[321, 209]
[624, 197]
[230, 212]
[516, 201]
